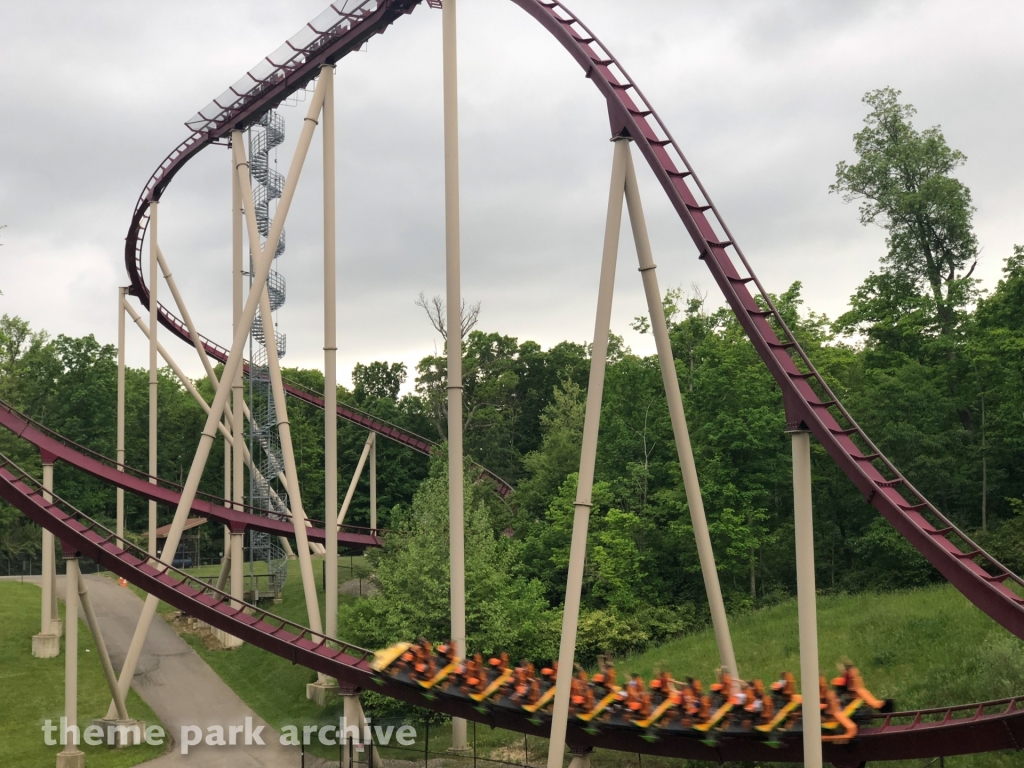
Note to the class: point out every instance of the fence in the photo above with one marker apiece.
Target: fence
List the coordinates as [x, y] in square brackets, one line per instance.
[409, 744]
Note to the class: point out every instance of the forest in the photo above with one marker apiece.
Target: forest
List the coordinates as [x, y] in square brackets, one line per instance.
[927, 361]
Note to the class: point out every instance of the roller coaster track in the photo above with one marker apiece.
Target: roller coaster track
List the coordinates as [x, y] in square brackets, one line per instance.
[350, 30]
[55, 447]
[809, 402]
[928, 733]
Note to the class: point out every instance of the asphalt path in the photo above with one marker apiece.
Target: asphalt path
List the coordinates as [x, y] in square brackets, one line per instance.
[179, 687]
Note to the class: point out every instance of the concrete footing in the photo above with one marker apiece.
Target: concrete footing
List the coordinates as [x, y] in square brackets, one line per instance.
[45, 646]
[73, 759]
[580, 757]
[322, 693]
[226, 640]
[57, 627]
[121, 733]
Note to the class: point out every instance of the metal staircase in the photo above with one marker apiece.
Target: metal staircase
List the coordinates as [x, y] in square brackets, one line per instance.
[264, 438]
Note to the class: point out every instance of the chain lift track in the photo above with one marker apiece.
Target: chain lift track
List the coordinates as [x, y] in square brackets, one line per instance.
[808, 400]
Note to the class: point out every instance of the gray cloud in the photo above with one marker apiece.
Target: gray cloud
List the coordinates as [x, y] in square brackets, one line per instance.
[763, 98]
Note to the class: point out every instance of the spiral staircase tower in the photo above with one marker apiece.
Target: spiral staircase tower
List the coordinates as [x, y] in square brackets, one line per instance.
[264, 438]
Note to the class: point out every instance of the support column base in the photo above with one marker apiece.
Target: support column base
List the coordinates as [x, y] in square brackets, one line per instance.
[580, 757]
[45, 646]
[121, 733]
[229, 642]
[322, 693]
[57, 627]
[74, 759]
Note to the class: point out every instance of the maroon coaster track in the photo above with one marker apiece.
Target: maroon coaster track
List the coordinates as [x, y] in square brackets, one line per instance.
[928, 733]
[55, 447]
[809, 403]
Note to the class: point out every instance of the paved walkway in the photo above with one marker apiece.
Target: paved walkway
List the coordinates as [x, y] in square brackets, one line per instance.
[179, 686]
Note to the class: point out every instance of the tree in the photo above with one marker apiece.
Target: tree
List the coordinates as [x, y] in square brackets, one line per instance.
[505, 610]
[904, 182]
[377, 380]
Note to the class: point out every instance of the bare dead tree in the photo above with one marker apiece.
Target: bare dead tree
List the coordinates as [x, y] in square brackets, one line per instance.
[435, 309]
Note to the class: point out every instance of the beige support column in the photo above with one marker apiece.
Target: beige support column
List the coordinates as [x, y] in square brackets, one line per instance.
[299, 520]
[225, 562]
[228, 461]
[330, 361]
[580, 758]
[227, 469]
[237, 571]
[237, 394]
[302, 543]
[670, 379]
[122, 296]
[354, 721]
[238, 401]
[48, 568]
[245, 458]
[373, 481]
[588, 457]
[456, 519]
[154, 306]
[290, 468]
[56, 625]
[234, 361]
[806, 597]
[367, 446]
[71, 756]
[101, 649]
[46, 644]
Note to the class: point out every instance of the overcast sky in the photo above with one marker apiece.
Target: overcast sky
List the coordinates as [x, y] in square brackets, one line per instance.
[762, 97]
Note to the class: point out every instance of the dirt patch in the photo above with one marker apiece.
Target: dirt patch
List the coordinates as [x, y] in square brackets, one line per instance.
[189, 625]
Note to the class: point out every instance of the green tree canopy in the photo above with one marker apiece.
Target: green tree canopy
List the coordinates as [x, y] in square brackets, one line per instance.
[904, 182]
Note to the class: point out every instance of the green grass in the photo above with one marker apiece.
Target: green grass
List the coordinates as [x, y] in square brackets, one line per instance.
[273, 687]
[924, 648]
[33, 689]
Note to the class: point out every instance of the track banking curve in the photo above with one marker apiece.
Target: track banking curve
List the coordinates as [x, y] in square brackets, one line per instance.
[344, 32]
[809, 403]
[53, 446]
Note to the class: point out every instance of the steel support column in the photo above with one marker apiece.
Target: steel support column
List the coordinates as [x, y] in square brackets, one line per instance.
[71, 755]
[806, 597]
[101, 648]
[46, 644]
[367, 449]
[238, 457]
[122, 293]
[154, 307]
[281, 409]
[588, 457]
[373, 481]
[670, 379]
[48, 570]
[456, 520]
[330, 360]
[262, 269]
